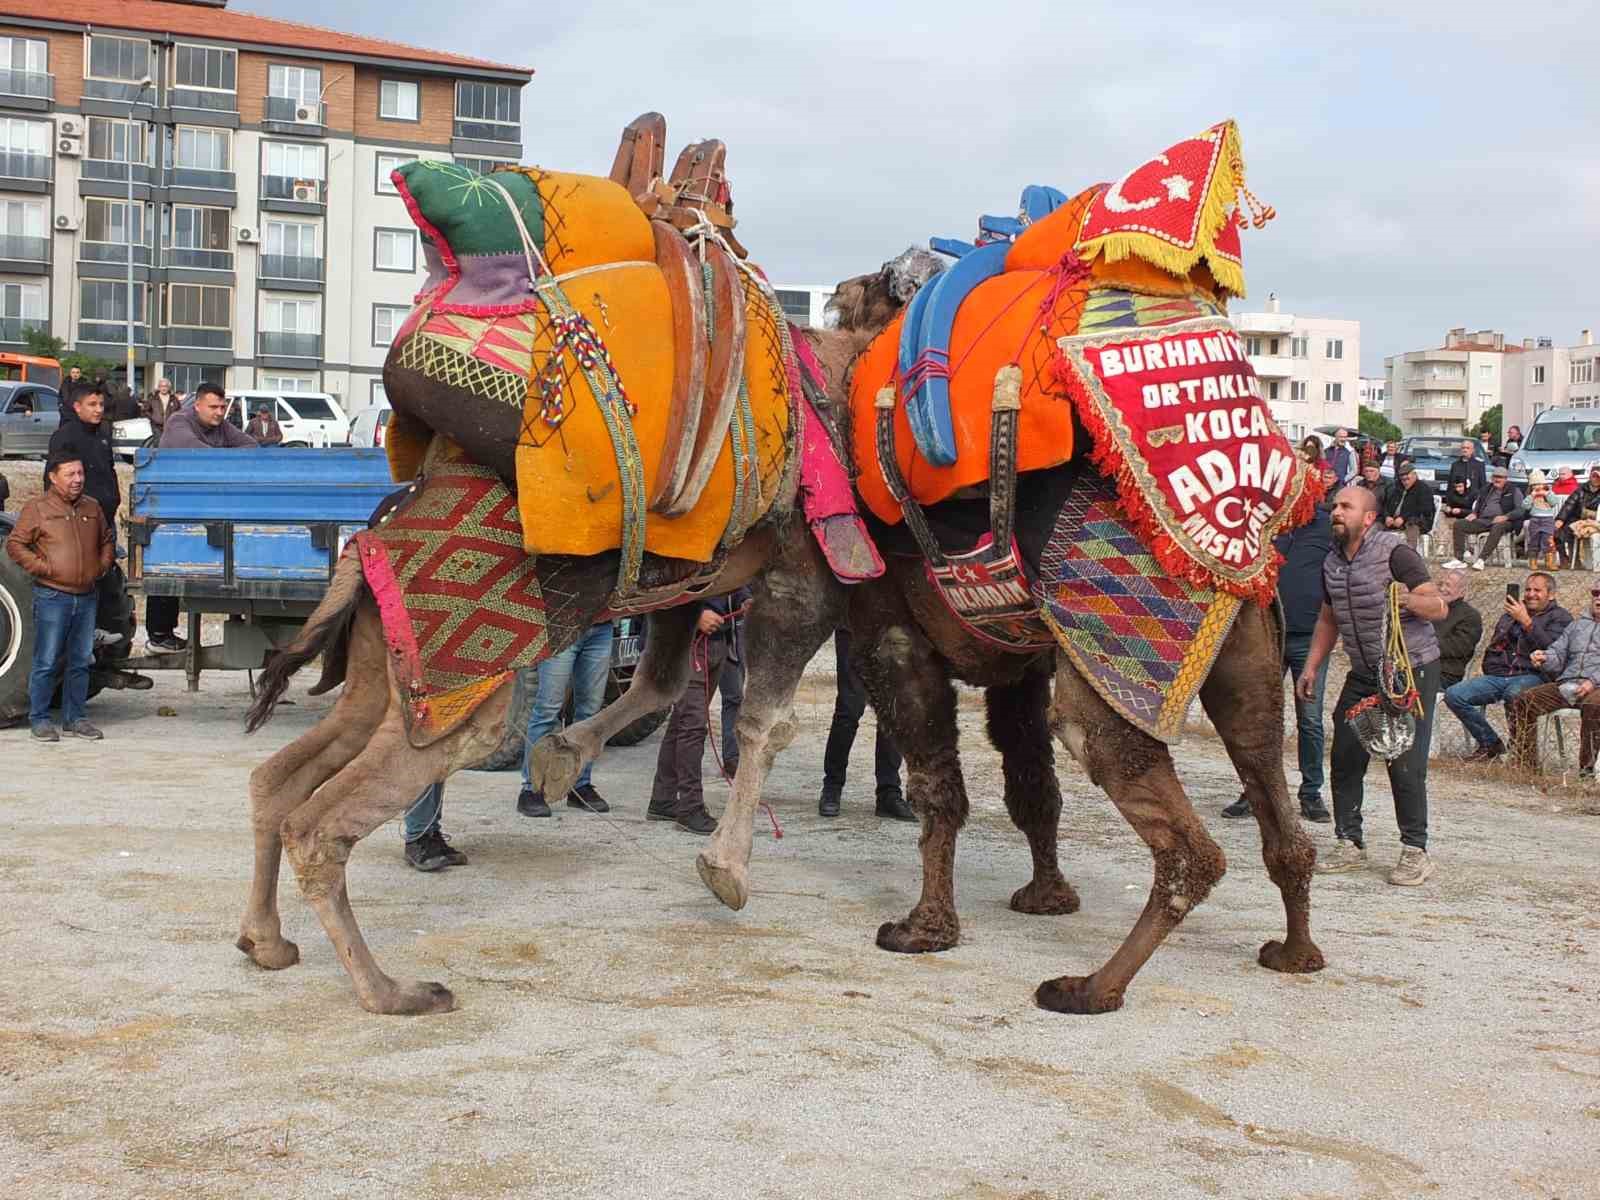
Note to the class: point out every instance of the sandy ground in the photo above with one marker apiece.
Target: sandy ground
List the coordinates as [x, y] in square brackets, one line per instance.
[620, 1034]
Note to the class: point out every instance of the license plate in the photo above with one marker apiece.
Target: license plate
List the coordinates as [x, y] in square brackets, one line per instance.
[1425, 473]
[625, 651]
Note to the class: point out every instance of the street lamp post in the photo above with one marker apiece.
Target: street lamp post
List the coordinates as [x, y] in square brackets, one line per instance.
[128, 224]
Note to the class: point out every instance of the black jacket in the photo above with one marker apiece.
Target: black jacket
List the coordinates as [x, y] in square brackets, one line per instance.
[1583, 499]
[1459, 632]
[1510, 645]
[94, 447]
[1415, 504]
[1300, 577]
[1470, 469]
[1458, 505]
[725, 605]
[1492, 504]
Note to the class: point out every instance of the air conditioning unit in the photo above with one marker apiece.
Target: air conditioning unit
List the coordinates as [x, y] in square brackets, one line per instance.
[306, 115]
[69, 147]
[245, 236]
[306, 190]
[69, 127]
[66, 224]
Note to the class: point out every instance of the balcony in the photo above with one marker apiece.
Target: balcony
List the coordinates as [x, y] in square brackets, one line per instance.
[113, 252]
[200, 177]
[1443, 380]
[199, 260]
[286, 114]
[294, 268]
[284, 194]
[28, 85]
[19, 165]
[112, 333]
[490, 131]
[17, 248]
[1272, 366]
[13, 328]
[189, 337]
[203, 101]
[112, 171]
[116, 89]
[1264, 322]
[290, 345]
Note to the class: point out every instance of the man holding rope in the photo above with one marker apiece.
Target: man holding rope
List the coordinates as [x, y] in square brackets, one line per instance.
[1356, 578]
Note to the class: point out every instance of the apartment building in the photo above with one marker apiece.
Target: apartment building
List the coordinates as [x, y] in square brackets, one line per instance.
[244, 162]
[1551, 376]
[1372, 391]
[806, 304]
[1443, 391]
[1309, 367]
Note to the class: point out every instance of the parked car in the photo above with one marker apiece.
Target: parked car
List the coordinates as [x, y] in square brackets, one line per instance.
[307, 418]
[29, 414]
[369, 425]
[1432, 457]
[128, 436]
[1558, 437]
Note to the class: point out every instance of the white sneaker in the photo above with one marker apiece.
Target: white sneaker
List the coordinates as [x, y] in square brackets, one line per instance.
[1455, 564]
[1477, 564]
[1414, 868]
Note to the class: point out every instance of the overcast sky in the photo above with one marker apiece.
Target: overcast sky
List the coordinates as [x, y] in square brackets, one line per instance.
[1432, 164]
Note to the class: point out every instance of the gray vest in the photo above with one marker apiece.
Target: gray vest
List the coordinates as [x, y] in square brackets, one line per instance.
[1358, 590]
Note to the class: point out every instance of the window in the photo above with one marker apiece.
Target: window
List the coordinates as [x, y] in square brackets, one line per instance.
[1485, 400]
[209, 68]
[127, 60]
[489, 110]
[108, 221]
[24, 54]
[1300, 347]
[387, 165]
[394, 250]
[195, 228]
[285, 315]
[201, 149]
[379, 396]
[796, 305]
[386, 322]
[1538, 375]
[309, 408]
[22, 302]
[1252, 346]
[1272, 345]
[199, 306]
[18, 136]
[288, 383]
[397, 100]
[22, 218]
[1272, 389]
[483, 166]
[293, 160]
[1335, 348]
[108, 141]
[303, 85]
[1582, 371]
[107, 300]
[297, 239]
[1485, 370]
[186, 377]
[1332, 393]
[1297, 390]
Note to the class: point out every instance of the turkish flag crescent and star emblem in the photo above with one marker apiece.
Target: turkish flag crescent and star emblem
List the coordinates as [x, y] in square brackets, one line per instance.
[1203, 472]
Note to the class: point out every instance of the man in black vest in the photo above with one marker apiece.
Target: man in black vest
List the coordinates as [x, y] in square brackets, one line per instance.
[1356, 576]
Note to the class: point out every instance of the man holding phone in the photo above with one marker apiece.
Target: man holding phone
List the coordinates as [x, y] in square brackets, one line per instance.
[1532, 621]
[1573, 661]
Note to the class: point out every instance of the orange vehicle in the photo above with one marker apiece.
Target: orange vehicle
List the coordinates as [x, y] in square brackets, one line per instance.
[27, 368]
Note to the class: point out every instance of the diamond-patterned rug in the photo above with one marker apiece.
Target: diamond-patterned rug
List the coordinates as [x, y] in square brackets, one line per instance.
[1143, 638]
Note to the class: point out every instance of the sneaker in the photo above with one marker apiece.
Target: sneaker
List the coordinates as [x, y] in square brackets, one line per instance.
[427, 853]
[828, 805]
[585, 797]
[1455, 564]
[1413, 869]
[45, 731]
[104, 638]
[1483, 754]
[1346, 856]
[167, 643]
[1239, 808]
[1317, 813]
[82, 729]
[893, 806]
[1478, 564]
[652, 813]
[531, 803]
[699, 821]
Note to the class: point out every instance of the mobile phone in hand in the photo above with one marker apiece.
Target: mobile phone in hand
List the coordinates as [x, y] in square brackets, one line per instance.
[1513, 591]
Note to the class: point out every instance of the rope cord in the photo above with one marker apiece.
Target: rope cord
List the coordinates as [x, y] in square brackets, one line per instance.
[1397, 678]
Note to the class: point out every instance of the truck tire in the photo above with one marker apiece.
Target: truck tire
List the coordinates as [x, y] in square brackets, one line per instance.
[508, 754]
[16, 637]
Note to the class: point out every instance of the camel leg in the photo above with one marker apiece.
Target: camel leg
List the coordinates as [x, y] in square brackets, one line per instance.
[287, 779]
[377, 786]
[1019, 729]
[795, 608]
[557, 759]
[1244, 699]
[1136, 772]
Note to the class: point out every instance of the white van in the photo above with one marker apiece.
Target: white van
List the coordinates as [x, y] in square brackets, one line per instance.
[307, 418]
[369, 426]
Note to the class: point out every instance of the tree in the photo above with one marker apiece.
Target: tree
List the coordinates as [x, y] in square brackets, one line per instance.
[1375, 425]
[43, 345]
[1488, 425]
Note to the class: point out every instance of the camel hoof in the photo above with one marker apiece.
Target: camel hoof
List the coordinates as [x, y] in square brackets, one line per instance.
[1076, 994]
[273, 956]
[554, 764]
[731, 885]
[1275, 956]
[1045, 900]
[414, 1000]
[904, 937]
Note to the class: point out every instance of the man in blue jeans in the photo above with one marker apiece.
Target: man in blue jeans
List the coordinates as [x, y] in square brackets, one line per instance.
[62, 540]
[1300, 593]
[583, 666]
[427, 849]
[1532, 622]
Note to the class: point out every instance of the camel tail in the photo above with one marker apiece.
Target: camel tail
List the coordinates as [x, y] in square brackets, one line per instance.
[326, 632]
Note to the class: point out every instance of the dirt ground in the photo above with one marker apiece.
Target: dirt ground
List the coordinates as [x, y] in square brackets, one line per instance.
[620, 1034]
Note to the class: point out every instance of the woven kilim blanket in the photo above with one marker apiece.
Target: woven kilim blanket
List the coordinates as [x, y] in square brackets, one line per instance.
[1143, 637]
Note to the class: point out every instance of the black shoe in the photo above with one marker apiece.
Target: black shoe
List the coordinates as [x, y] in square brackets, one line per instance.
[452, 856]
[531, 803]
[585, 797]
[168, 643]
[828, 805]
[1239, 808]
[699, 821]
[1489, 753]
[1317, 813]
[428, 853]
[893, 805]
[652, 813]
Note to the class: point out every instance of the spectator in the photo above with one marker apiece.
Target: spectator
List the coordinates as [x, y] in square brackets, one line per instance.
[1580, 516]
[62, 540]
[74, 382]
[1539, 513]
[427, 848]
[849, 703]
[1342, 458]
[5, 492]
[1494, 515]
[731, 685]
[264, 426]
[1573, 660]
[1528, 624]
[1372, 480]
[1359, 569]
[1509, 445]
[1311, 450]
[1391, 454]
[1459, 631]
[677, 794]
[581, 668]
[161, 400]
[1468, 466]
[123, 406]
[200, 426]
[1408, 506]
[1300, 593]
[85, 435]
[1566, 482]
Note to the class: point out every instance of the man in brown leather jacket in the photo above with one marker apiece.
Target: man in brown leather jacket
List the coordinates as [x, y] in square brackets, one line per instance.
[63, 541]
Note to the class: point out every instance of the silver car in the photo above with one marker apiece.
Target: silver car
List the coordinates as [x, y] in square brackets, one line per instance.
[29, 414]
[1558, 437]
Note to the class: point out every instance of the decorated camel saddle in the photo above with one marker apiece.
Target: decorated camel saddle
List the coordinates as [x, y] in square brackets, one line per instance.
[1090, 335]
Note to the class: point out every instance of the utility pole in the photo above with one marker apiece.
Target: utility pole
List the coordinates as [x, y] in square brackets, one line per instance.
[128, 224]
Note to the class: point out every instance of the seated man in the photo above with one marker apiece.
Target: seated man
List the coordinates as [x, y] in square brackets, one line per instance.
[1494, 514]
[1408, 506]
[1532, 623]
[1574, 660]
